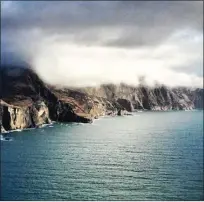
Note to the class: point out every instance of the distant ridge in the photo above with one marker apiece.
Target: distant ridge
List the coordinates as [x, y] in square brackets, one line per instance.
[26, 101]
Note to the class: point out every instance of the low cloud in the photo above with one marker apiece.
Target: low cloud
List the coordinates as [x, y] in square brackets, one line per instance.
[90, 43]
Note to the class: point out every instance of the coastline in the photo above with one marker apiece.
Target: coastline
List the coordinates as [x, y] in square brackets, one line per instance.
[28, 102]
[134, 113]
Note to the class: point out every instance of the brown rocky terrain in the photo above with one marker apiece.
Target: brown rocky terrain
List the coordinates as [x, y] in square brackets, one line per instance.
[23, 115]
[26, 101]
[150, 98]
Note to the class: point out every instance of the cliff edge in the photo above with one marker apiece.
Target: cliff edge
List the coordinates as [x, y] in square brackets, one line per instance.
[26, 101]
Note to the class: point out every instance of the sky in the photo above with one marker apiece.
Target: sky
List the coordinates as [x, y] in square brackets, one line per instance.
[87, 43]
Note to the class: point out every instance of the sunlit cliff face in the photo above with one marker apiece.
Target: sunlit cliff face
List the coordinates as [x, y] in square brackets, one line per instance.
[90, 43]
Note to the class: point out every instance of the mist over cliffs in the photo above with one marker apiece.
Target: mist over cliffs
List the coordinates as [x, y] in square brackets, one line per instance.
[27, 101]
[82, 44]
[75, 61]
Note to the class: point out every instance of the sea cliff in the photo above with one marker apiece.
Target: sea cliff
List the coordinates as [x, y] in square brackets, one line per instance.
[26, 101]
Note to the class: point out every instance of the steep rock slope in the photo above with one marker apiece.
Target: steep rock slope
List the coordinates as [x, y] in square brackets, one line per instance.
[22, 91]
[151, 98]
[26, 101]
[24, 84]
[25, 115]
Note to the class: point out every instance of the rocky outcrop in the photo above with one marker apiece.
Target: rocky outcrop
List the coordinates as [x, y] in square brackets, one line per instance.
[16, 118]
[39, 113]
[127, 104]
[2, 130]
[65, 113]
[26, 88]
[87, 105]
[198, 98]
[160, 98]
[20, 117]
[26, 101]
[123, 112]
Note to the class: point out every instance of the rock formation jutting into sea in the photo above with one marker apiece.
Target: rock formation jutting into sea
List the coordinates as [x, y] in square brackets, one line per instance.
[27, 102]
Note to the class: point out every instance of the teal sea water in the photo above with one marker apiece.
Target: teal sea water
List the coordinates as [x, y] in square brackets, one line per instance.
[148, 156]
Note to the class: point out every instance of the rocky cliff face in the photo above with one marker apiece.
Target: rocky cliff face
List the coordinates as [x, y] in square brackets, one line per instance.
[198, 98]
[23, 116]
[26, 101]
[149, 98]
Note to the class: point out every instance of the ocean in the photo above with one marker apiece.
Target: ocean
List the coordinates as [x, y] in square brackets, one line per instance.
[148, 156]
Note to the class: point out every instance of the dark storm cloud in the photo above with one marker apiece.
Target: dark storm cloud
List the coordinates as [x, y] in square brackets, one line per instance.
[92, 42]
[139, 23]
